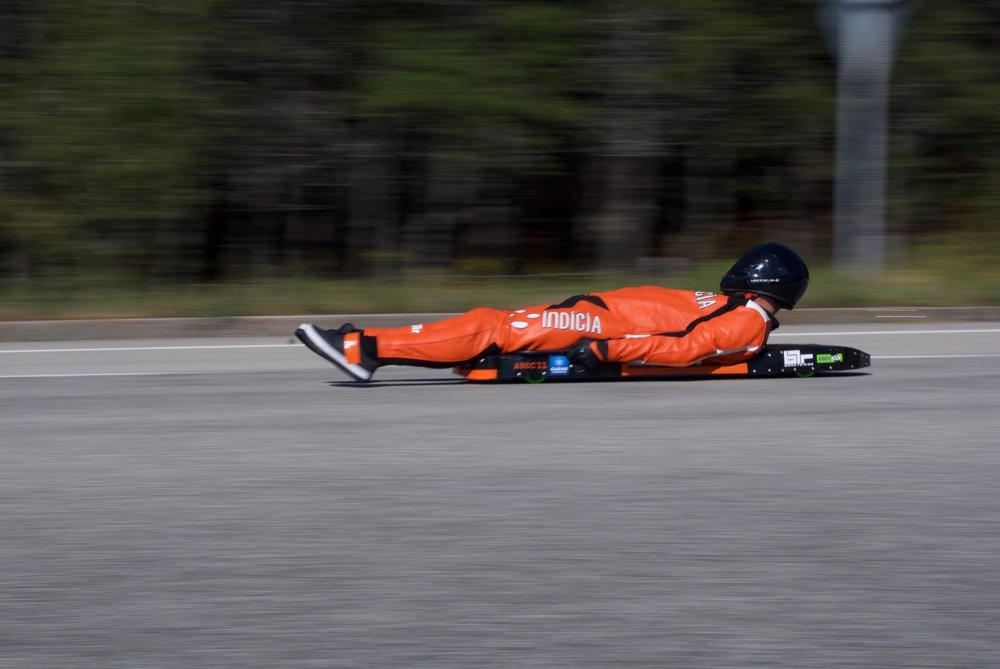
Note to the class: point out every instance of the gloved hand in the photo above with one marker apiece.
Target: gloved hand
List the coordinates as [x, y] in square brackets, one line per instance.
[588, 354]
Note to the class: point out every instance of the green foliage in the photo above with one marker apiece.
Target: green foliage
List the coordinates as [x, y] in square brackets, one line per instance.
[145, 134]
[512, 67]
[757, 71]
[947, 114]
[108, 110]
[950, 270]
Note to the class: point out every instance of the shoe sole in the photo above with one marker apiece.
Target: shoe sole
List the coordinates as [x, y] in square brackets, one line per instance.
[307, 335]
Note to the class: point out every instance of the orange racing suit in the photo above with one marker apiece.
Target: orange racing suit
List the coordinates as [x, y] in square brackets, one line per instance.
[656, 325]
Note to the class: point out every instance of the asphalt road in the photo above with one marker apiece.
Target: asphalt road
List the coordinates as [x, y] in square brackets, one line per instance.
[178, 504]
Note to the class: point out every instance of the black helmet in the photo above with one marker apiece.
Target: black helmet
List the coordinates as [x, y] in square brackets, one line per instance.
[772, 270]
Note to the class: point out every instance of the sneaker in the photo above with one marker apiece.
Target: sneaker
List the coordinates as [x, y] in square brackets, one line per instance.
[342, 347]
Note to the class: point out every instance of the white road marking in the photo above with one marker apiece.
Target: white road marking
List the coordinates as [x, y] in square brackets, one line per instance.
[107, 374]
[74, 376]
[881, 332]
[298, 345]
[147, 348]
[918, 357]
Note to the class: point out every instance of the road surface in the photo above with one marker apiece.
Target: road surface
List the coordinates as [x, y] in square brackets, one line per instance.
[234, 503]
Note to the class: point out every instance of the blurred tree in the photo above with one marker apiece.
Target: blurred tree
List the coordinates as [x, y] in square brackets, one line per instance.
[946, 121]
[285, 72]
[752, 86]
[109, 116]
[490, 92]
[224, 138]
[14, 33]
[629, 41]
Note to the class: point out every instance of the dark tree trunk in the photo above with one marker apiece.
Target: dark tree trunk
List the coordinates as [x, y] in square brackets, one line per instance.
[216, 233]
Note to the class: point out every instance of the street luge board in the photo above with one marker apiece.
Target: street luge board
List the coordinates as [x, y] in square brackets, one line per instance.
[779, 360]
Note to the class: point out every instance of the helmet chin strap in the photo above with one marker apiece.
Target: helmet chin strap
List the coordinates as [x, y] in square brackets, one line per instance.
[769, 303]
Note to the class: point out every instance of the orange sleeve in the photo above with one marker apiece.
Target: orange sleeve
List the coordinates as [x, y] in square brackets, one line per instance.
[740, 331]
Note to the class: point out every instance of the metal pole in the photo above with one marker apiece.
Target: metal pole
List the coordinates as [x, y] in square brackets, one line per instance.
[865, 33]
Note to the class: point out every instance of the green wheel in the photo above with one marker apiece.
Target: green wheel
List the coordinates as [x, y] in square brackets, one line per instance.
[535, 379]
[805, 375]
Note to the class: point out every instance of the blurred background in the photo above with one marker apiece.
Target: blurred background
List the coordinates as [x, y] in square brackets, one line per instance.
[217, 157]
